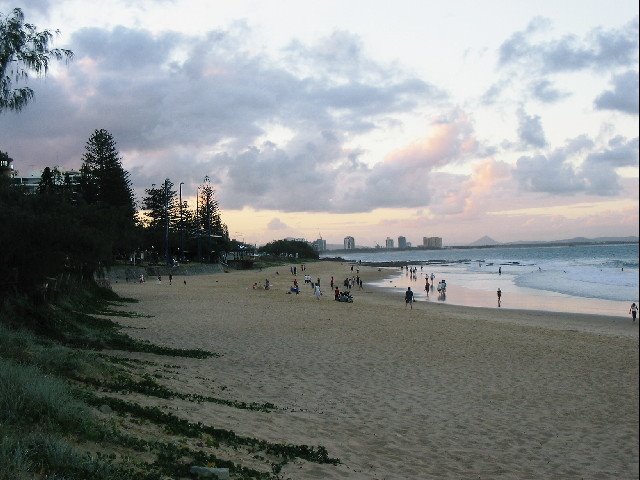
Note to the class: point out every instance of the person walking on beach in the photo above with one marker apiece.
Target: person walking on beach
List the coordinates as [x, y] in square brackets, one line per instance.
[426, 286]
[170, 278]
[316, 291]
[499, 296]
[633, 311]
[408, 298]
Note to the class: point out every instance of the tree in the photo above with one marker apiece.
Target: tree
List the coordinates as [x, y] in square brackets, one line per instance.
[22, 49]
[105, 183]
[45, 238]
[289, 248]
[161, 205]
[156, 201]
[103, 180]
[51, 180]
[210, 226]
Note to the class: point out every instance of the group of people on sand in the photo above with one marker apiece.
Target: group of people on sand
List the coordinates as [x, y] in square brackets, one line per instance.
[343, 296]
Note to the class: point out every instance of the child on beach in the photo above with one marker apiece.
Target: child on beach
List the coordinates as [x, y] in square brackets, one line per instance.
[633, 311]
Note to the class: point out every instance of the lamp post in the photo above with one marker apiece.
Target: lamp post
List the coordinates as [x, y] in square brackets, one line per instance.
[166, 222]
[207, 197]
[198, 222]
[181, 226]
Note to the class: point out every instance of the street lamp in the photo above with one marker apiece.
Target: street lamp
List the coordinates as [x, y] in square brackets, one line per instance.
[181, 225]
[166, 222]
[198, 222]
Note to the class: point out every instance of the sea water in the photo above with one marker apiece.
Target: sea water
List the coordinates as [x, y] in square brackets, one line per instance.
[600, 279]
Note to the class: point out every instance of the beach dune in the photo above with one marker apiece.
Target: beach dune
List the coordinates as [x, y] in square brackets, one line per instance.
[434, 392]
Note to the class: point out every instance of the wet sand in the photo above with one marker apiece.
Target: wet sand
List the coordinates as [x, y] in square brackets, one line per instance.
[437, 391]
[479, 290]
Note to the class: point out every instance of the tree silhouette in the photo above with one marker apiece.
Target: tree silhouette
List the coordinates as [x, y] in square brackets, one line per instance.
[105, 183]
[22, 49]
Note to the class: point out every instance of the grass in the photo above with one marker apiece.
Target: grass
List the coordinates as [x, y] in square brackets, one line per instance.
[56, 377]
[28, 397]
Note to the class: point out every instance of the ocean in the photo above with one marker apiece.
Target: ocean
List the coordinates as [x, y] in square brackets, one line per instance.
[599, 279]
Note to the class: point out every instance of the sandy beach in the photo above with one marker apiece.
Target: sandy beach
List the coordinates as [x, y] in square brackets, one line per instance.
[437, 391]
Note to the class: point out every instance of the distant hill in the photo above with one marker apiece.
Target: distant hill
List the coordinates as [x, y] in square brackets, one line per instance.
[484, 242]
[577, 240]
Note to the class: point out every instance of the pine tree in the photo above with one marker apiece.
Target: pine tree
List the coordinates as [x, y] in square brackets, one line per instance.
[105, 183]
[210, 226]
[159, 203]
[102, 177]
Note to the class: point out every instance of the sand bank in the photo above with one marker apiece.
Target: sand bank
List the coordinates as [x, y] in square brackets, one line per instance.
[434, 392]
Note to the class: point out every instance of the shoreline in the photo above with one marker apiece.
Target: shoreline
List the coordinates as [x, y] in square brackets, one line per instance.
[376, 275]
[464, 291]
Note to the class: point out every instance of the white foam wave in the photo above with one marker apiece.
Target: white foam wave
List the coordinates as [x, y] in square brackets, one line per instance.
[584, 281]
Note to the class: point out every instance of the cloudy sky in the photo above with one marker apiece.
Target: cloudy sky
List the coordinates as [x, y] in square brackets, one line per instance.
[513, 119]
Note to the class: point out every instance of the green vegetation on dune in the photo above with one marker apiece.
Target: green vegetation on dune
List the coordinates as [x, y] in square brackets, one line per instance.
[59, 381]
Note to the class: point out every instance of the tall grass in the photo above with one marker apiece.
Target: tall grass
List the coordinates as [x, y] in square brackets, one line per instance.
[42, 452]
[27, 397]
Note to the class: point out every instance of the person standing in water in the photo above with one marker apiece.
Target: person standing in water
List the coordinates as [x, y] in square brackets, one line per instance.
[499, 296]
[633, 311]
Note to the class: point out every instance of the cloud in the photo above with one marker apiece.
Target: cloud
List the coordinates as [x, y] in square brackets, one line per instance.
[41, 6]
[530, 130]
[188, 106]
[555, 173]
[317, 173]
[492, 94]
[544, 91]
[276, 224]
[600, 49]
[623, 97]
[406, 177]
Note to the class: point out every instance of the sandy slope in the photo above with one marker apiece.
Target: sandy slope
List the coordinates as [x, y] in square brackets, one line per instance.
[434, 392]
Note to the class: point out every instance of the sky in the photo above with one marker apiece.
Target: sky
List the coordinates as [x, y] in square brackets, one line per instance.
[372, 119]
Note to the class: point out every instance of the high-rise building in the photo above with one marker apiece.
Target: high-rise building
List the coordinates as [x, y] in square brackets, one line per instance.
[320, 245]
[388, 243]
[349, 243]
[402, 242]
[432, 242]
